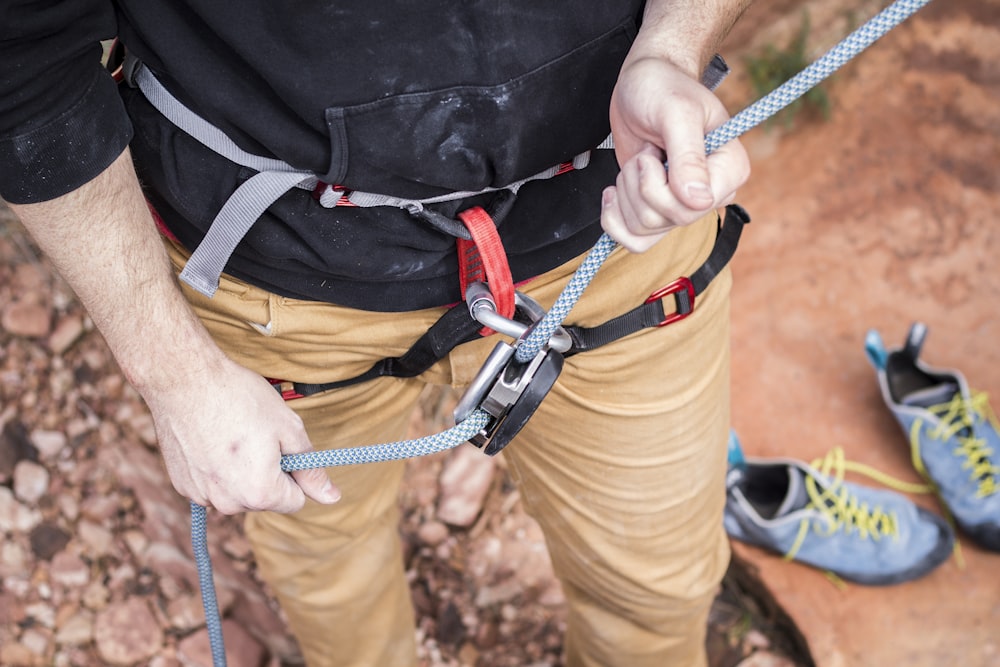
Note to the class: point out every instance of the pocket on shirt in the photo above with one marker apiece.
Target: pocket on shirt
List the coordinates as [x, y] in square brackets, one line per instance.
[473, 137]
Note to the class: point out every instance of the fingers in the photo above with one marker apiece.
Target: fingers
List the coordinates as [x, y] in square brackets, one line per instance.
[224, 449]
[648, 200]
[314, 483]
[655, 103]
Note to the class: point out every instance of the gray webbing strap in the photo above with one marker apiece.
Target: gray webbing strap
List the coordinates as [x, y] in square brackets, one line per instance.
[330, 196]
[200, 129]
[240, 212]
[244, 207]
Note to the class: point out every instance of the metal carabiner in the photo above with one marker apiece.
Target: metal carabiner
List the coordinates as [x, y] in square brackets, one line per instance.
[483, 309]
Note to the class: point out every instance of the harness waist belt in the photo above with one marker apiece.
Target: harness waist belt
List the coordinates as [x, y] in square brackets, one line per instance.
[456, 326]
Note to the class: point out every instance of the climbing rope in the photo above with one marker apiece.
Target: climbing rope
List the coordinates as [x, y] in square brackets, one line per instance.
[538, 338]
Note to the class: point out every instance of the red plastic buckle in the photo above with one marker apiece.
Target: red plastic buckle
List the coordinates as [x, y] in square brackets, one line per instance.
[682, 284]
[285, 389]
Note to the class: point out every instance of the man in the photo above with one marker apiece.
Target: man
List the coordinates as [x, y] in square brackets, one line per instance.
[623, 463]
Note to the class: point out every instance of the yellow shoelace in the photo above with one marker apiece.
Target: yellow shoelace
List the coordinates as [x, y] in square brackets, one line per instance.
[845, 510]
[958, 415]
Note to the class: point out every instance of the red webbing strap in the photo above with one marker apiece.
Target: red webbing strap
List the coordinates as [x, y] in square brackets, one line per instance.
[483, 259]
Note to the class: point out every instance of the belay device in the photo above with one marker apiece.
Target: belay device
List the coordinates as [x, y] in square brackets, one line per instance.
[507, 389]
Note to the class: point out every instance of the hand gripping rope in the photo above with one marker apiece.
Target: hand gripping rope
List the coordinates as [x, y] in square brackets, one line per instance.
[534, 342]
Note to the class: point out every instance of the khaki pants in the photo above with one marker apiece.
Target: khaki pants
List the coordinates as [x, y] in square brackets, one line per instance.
[622, 465]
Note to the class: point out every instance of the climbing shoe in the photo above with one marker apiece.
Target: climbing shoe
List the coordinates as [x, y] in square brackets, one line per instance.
[953, 433]
[808, 513]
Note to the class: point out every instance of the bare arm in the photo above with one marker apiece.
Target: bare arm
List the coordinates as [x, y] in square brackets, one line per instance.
[103, 241]
[660, 111]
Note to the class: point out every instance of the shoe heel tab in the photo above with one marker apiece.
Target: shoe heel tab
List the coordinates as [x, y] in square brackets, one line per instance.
[915, 340]
[875, 349]
[734, 452]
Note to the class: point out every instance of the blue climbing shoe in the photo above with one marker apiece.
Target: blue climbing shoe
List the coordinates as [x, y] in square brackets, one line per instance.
[808, 513]
[953, 433]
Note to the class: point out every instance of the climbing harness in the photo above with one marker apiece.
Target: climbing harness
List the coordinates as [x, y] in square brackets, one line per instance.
[460, 325]
[529, 354]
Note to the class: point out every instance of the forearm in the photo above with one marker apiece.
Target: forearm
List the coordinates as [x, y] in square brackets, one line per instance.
[686, 32]
[102, 240]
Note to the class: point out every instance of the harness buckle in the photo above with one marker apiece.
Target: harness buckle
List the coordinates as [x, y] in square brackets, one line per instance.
[285, 388]
[683, 291]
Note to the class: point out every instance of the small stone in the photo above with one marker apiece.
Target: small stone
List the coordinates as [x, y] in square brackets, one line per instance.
[13, 558]
[164, 661]
[48, 443]
[95, 596]
[67, 331]
[15, 445]
[127, 632]
[756, 639]
[15, 653]
[48, 539]
[69, 570]
[186, 613]
[11, 610]
[79, 426]
[451, 629]
[31, 481]
[98, 539]
[142, 425]
[99, 508]
[135, 542]
[25, 319]
[766, 659]
[465, 480]
[43, 588]
[432, 533]
[30, 277]
[77, 629]
[37, 641]
[14, 516]
[68, 506]
[487, 635]
[42, 613]
[468, 654]
[18, 586]
[237, 547]
[241, 647]
[501, 592]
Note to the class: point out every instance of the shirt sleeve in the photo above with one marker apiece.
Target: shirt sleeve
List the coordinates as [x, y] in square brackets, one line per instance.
[62, 121]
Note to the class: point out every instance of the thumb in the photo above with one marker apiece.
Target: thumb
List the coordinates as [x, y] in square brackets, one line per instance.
[317, 485]
[687, 164]
[687, 175]
[314, 482]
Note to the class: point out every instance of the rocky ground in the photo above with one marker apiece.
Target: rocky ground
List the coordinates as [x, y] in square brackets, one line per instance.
[94, 562]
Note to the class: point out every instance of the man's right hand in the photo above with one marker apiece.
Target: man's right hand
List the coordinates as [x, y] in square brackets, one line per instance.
[222, 435]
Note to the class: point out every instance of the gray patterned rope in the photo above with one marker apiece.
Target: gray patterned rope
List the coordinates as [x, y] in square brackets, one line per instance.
[203, 561]
[750, 117]
[392, 451]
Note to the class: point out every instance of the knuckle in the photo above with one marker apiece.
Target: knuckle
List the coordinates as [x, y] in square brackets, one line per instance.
[651, 220]
[256, 500]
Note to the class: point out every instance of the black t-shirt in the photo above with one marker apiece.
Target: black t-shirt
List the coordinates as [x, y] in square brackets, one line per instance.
[400, 98]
